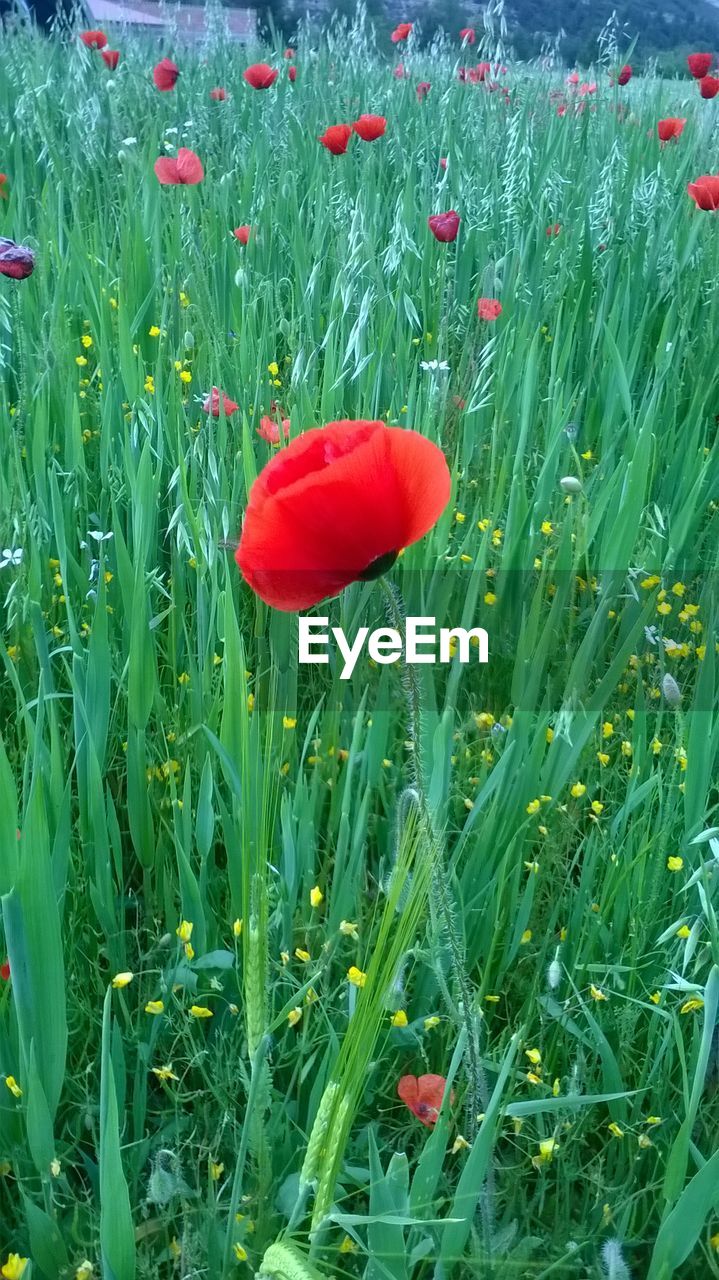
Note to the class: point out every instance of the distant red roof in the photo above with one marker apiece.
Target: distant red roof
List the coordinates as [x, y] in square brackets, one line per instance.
[190, 19]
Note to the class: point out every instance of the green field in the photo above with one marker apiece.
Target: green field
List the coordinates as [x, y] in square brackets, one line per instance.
[249, 897]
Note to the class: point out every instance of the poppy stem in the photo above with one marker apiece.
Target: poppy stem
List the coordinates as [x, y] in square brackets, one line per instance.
[478, 1093]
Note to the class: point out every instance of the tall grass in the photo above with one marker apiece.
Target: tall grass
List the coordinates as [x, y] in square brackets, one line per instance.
[190, 1082]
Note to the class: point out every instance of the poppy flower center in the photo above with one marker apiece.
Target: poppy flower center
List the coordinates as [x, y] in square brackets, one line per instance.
[376, 568]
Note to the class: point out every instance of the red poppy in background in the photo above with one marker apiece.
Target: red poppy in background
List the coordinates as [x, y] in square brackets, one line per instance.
[185, 171]
[573, 78]
[554, 229]
[260, 75]
[369, 127]
[467, 33]
[336, 138]
[4, 195]
[94, 39]
[401, 32]
[269, 429]
[212, 403]
[489, 308]
[292, 74]
[110, 57]
[423, 89]
[709, 86]
[218, 95]
[399, 72]
[289, 53]
[562, 111]
[444, 226]
[5, 970]
[625, 75]
[704, 192]
[242, 233]
[443, 162]
[672, 127]
[587, 88]
[699, 64]
[165, 75]
[16, 260]
[337, 506]
[423, 1095]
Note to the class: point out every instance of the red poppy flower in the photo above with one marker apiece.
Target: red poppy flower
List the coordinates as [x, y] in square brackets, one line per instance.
[4, 195]
[336, 138]
[443, 162]
[672, 127]
[336, 506]
[242, 233]
[625, 75]
[110, 57]
[260, 75]
[165, 75]
[467, 33]
[562, 111]
[573, 78]
[423, 89]
[554, 229]
[709, 86]
[16, 260]
[401, 32]
[94, 39]
[212, 403]
[399, 72]
[444, 226]
[292, 74]
[370, 128]
[704, 192]
[5, 970]
[185, 171]
[289, 53]
[489, 308]
[423, 1095]
[269, 429]
[699, 64]
[218, 95]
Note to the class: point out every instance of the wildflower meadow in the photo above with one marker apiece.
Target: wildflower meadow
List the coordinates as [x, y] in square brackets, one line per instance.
[374, 966]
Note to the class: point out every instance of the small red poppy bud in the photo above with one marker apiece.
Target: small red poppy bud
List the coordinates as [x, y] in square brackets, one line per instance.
[625, 75]
[165, 75]
[401, 32]
[269, 430]
[444, 226]
[110, 57]
[423, 89]
[443, 162]
[699, 64]
[260, 75]
[554, 229]
[370, 128]
[5, 970]
[242, 234]
[336, 138]
[399, 72]
[289, 53]
[709, 86]
[218, 95]
[94, 39]
[292, 74]
[16, 260]
[467, 35]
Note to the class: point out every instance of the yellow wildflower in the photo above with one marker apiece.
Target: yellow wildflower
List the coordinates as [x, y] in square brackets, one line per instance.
[349, 929]
[200, 1011]
[14, 1268]
[294, 1016]
[316, 897]
[154, 1007]
[13, 1086]
[399, 1019]
[674, 863]
[122, 980]
[578, 789]
[356, 976]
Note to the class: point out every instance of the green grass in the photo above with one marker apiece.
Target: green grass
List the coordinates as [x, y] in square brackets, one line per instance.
[166, 760]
